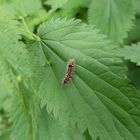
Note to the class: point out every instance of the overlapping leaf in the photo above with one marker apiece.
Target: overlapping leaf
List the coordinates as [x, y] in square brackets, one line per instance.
[131, 53]
[113, 17]
[98, 97]
[24, 114]
[14, 65]
[9, 35]
[134, 34]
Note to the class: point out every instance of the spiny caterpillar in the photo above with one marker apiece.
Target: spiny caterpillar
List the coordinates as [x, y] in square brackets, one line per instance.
[69, 72]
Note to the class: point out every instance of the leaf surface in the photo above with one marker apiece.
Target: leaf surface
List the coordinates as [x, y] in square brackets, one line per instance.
[56, 3]
[98, 97]
[14, 68]
[131, 53]
[113, 17]
[26, 7]
[24, 114]
[51, 129]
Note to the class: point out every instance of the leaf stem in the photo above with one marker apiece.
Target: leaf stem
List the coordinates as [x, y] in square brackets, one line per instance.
[32, 35]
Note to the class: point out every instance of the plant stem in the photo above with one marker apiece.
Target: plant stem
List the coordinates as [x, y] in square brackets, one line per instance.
[32, 35]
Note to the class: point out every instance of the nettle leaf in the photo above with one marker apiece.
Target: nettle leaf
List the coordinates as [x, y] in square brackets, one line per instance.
[56, 3]
[71, 4]
[38, 64]
[4, 97]
[14, 70]
[134, 74]
[98, 97]
[26, 7]
[137, 5]
[134, 34]
[72, 7]
[24, 114]
[51, 129]
[9, 48]
[131, 53]
[113, 17]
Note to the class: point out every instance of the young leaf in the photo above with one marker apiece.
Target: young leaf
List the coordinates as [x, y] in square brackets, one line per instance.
[113, 17]
[131, 53]
[98, 97]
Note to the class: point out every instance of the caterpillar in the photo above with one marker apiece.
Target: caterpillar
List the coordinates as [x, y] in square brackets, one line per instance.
[69, 72]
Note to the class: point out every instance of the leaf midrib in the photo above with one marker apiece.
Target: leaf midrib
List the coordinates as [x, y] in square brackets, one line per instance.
[97, 91]
[96, 75]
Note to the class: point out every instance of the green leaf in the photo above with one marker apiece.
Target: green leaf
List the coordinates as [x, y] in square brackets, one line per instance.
[71, 4]
[36, 18]
[24, 114]
[131, 53]
[98, 97]
[38, 64]
[2, 2]
[134, 74]
[9, 46]
[72, 7]
[113, 17]
[51, 129]
[26, 7]
[4, 137]
[12, 66]
[137, 5]
[14, 69]
[56, 3]
[4, 97]
[134, 34]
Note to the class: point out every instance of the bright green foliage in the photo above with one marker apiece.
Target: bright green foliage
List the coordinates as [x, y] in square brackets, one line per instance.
[113, 17]
[134, 74]
[137, 6]
[131, 53]
[13, 62]
[71, 7]
[67, 4]
[72, 4]
[25, 7]
[4, 1]
[36, 18]
[99, 103]
[134, 33]
[9, 35]
[56, 3]
[24, 114]
[99, 94]
[51, 129]
[4, 97]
